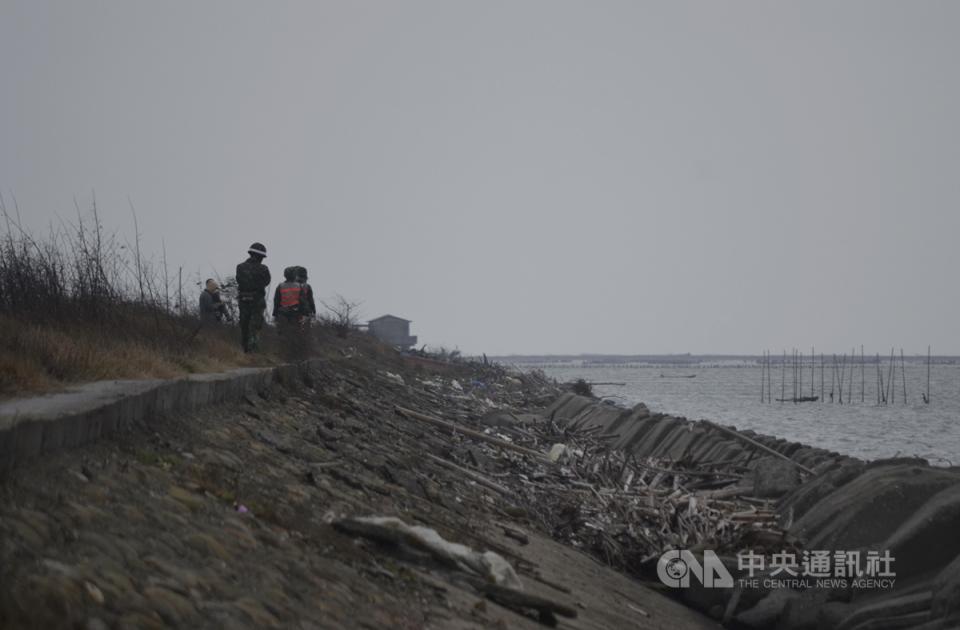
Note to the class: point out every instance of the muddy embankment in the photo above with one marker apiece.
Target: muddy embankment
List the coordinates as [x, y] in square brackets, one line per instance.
[838, 504]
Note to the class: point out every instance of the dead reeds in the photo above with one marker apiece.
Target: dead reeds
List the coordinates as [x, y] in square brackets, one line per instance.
[79, 304]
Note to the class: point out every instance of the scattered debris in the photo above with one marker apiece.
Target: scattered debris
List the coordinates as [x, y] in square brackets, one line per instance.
[520, 601]
[394, 378]
[515, 534]
[392, 530]
[94, 592]
[557, 451]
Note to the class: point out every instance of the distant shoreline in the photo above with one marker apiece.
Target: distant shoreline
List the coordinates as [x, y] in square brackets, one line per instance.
[686, 360]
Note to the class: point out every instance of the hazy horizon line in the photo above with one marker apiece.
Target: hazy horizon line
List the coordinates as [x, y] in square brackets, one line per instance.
[774, 356]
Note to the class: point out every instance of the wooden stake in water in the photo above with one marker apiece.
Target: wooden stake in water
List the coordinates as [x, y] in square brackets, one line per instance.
[883, 382]
[833, 377]
[842, 378]
[769, 385]
[783, 377]
[799, 376]
[821, 376]
[926, 399]
[853, 354]
[769, 363]
[863, 378]
[763, 375]
[879, 386]
[903, 374]
[893, 372]
[883, 388]
[763, 378]
[812, 358]
[842, 375]
[795, 374]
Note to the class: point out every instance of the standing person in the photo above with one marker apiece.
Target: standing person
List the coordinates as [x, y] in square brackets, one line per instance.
[309, 306]
[253, 278]
[212, 308]
[288, 299]
[289, 310]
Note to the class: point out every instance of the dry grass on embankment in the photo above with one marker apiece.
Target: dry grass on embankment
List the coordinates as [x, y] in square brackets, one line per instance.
[79, 305]
[48, 355]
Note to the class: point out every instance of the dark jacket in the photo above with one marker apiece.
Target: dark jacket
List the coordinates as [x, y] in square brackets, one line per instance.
[253, 278]
[309, 306]
[212, 308]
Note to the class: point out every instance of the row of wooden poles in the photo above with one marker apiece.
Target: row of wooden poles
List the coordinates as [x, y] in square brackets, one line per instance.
[842, 378]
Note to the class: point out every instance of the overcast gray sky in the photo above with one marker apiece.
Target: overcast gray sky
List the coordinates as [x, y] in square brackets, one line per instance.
[521, 176]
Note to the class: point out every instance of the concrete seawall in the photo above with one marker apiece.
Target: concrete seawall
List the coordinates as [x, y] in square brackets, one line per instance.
[36, 426]
[662, 436]
[902, 506]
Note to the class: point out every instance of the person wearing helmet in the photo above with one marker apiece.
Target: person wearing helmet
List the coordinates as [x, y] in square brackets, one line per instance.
[309, 306]
[253, 278]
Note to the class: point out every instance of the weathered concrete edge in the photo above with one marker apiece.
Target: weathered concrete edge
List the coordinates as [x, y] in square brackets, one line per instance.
[649, 434]
[28, 436]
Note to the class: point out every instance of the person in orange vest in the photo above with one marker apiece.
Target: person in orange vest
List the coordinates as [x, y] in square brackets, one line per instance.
[288, 299]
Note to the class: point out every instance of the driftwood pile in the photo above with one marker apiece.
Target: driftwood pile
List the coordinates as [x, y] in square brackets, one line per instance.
[624, 511]
[473, 442]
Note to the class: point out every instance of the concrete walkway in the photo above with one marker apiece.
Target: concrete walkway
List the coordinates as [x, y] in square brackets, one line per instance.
[33, 426]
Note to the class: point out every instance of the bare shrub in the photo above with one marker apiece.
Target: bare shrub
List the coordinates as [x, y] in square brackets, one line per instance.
[342, 315]
[79, 304]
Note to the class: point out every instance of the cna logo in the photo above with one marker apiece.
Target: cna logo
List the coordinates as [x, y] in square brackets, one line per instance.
[674, 569]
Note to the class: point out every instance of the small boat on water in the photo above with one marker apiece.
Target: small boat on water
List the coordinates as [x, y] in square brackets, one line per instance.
[662, 375]
[799, 399]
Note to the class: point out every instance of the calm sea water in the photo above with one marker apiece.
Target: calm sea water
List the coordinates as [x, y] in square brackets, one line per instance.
[732, 395]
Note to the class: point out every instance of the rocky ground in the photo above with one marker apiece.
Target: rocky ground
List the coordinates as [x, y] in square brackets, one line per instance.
[236, 517]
